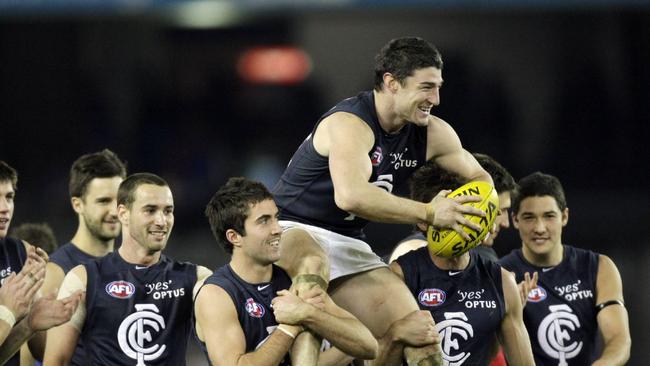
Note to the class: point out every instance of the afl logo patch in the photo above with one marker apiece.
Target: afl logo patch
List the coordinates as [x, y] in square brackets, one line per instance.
[432, 297]
[120, 289]
[377, 157]
[537, 294]
[254, 309]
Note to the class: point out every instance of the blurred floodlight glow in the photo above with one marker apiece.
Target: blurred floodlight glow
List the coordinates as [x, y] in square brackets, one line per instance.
[274, 65]
[206, 14]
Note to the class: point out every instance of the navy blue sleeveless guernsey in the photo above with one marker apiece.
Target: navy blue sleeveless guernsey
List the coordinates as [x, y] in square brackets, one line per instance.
[67, 257]
[137, 316]
[467, 305]
[560, 314]
[305, 192]
[12, 258]
[253, 304]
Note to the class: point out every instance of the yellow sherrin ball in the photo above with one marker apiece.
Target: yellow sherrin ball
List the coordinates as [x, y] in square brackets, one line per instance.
[448, 243]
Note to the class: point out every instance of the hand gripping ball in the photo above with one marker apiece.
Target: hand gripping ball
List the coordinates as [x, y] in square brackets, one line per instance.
[448, 243]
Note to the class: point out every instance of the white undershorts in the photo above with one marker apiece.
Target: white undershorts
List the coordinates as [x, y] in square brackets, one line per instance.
[346, 255]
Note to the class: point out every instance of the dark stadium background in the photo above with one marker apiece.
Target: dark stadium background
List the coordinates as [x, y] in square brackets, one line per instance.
[556, 86]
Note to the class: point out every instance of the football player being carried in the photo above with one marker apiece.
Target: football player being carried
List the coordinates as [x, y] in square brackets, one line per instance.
[471, 299]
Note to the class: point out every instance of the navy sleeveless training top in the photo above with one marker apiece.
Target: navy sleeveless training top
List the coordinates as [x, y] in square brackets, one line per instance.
[69, 256]
[253, 303]
[12, 258]
[137, 316]
[560, 314]
[467, 305]
[305, 192]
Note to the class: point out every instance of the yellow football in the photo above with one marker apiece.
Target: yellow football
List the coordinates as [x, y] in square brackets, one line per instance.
[448, 243]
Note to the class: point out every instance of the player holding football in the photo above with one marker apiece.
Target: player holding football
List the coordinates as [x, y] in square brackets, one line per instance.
[470, 298]
[343, 175]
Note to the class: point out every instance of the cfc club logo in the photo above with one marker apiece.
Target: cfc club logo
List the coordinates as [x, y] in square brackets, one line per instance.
[120, 289]
[135, 334]
[254, 309]
[453, 329]
[537, 294]
[554, 334]
[377, 157]
[432, 297]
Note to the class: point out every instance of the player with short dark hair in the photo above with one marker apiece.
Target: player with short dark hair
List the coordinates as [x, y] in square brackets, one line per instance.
[22, 270]
[245, 314]
[93, 183]
[344, 175]
[470, 298]
[138, 304]
[578, 291]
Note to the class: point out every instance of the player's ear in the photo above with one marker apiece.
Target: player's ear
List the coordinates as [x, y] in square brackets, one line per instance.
[233, 237]
[123, 214]
[77, 204]
[565, 216]
[515, 222]
[390, 82]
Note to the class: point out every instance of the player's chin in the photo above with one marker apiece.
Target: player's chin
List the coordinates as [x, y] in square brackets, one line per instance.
[274, 255]
[157, 244]
[539, 248]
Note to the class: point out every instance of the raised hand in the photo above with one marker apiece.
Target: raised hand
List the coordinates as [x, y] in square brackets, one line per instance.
[18, 290]
[48, 312]
[526, 285]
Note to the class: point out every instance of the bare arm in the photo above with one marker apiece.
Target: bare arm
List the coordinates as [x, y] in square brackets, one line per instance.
[512, 333]
[62, 339]
[444, 146]
[342, 329]
[53, 278]
[218, 326]
[334, 357]
[201, 274]
[346, 140]
[613, 319]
